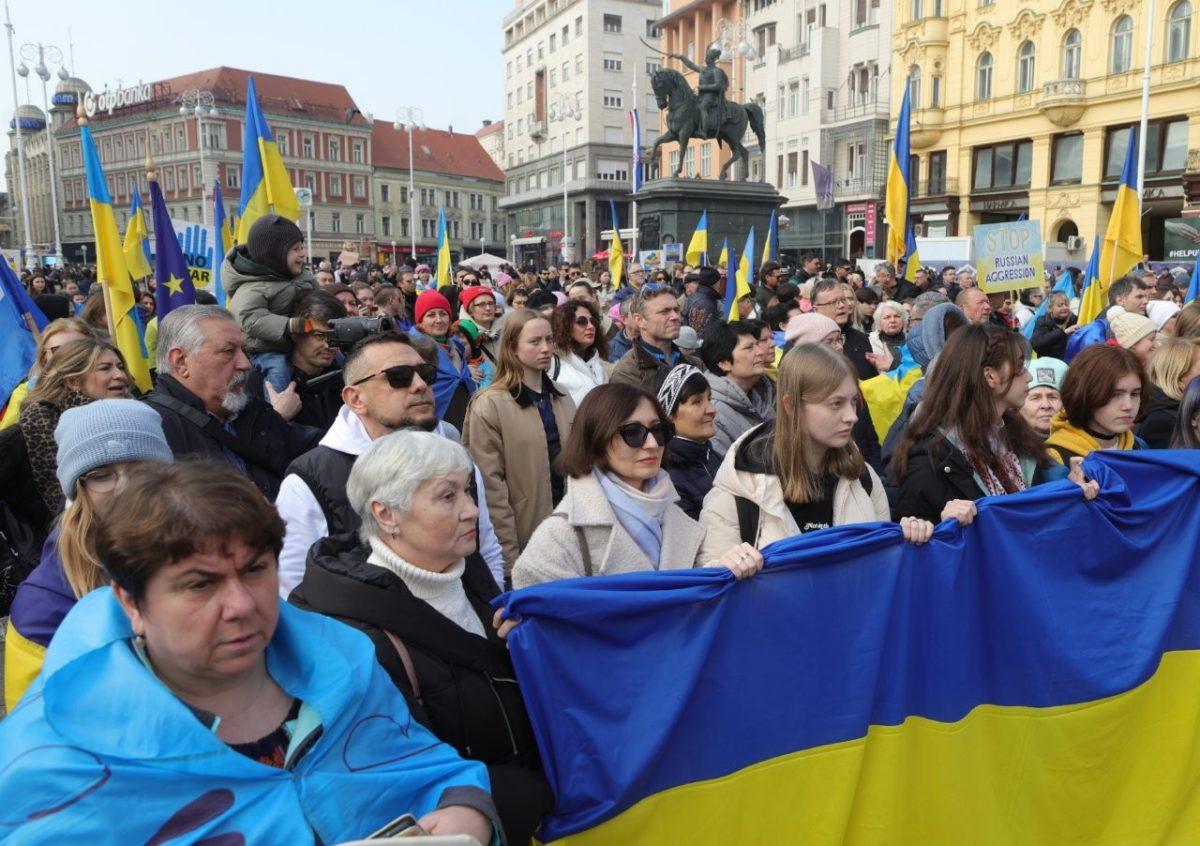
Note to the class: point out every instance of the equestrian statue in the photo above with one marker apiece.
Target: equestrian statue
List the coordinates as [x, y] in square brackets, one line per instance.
[705, 113]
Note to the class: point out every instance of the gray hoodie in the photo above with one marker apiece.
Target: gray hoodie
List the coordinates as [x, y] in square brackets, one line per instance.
[738, 412]
[261, 301]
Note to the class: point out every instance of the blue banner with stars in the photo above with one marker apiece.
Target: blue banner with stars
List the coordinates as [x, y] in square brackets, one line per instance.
[173, 281]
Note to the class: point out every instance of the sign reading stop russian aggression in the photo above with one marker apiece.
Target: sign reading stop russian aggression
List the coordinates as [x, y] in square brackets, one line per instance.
[198, 244]
[1008, 256]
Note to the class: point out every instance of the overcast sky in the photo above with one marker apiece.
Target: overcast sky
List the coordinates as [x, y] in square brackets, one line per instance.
[440, 55]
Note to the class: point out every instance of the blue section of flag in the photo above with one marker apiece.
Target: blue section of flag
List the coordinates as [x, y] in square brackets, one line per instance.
[20, 346]
[172, 279]
[636, 125]
[222, 247]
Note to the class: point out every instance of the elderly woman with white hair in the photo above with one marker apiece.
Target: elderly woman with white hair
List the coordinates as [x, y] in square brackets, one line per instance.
[413, 582]
[889, 335]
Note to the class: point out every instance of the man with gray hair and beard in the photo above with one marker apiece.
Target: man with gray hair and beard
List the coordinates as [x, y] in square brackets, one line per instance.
[210, 398]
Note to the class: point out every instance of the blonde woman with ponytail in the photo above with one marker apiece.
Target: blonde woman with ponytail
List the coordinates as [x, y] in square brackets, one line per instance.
[801, 472]
[99, 444]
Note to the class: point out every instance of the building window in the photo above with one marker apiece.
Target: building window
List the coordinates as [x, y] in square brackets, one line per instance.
[612, 98]
[579, 26]
[170, 180]
[1067, 162]
[1026, 58]
[553, 41]
[1121, 56]
[233, 177]
[508, 70]
[307, 144]
[705, 159]
[793, 98]
[359, 224]
[385, 192]
[804, 167]
[360, 186]
[651, 30]
[918, 9]
[914, 86]
[404, 195]
[336, 224]
[782, 102]
[1166, 147]
[310, 182]
[935, 92]
[335, 185]
[1004, 165]
[793, 163]
[281, 143]
[579, 64]
[983, 77]
[805, 95]
[358, 152]
[612, 23]
[404, 227]
[335, 150]
[937, 173]
[1071, 55]
[1179, 31]
[386, 224]
[566, 34]
[612, 61]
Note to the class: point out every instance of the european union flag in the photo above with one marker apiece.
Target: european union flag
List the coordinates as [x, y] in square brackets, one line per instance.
[173, 282]
[20, 346]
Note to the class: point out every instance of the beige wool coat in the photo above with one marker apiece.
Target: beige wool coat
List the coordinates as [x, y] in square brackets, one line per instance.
[553, 551]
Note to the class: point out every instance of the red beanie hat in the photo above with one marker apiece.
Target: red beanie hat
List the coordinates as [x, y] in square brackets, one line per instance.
[469, 295]
[429, 300]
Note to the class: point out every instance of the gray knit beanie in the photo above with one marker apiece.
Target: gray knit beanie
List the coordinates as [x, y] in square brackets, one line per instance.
[269, 240]
[104, 432]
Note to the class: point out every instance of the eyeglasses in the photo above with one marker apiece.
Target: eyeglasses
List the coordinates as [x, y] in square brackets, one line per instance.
[584, 320]
[102, 480]
[837, 302]
[634, 434]
[401, 375]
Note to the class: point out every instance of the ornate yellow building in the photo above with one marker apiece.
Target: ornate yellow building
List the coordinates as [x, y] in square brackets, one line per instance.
[1026, 107]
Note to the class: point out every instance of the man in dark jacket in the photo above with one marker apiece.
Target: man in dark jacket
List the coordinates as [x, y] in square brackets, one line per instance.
[704, 306]
[830, 299]
[769, 277]
[314, 362]
[209, 406]
[656, 312]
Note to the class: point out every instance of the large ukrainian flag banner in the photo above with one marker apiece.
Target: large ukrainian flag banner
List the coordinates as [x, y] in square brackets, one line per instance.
[266, 187]
[111, 271]
[1031, 679]
[901, 243]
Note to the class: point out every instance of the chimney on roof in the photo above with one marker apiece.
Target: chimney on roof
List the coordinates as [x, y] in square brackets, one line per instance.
[450, 129]
[487, 123]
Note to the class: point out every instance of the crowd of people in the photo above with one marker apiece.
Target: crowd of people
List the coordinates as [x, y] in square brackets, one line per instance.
[192, 563]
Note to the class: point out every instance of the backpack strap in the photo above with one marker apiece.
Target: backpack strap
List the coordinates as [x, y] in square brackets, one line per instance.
[867, 480]
[747, 514]
[407, 661]
[584, 552]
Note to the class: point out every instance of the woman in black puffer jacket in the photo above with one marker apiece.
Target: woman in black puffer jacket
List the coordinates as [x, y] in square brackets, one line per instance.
[685, 397]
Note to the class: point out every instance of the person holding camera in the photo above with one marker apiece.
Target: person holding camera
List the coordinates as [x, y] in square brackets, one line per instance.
[315, 361]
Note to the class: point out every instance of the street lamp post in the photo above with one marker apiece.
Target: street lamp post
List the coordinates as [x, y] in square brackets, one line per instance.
[199, 102]
[409, 118]
[12, 62]
[47, 54]
[562, 110]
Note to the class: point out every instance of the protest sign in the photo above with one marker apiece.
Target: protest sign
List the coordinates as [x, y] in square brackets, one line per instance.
[198, 244]
[1008, 256]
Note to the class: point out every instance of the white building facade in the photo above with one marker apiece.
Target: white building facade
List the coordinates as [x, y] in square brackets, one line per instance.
[568, 79]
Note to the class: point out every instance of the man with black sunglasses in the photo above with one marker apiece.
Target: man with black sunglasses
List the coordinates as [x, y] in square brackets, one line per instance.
[388, 387]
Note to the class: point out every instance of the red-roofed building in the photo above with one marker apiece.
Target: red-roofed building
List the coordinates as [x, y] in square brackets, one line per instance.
[491, 136]
[324, 138]
[449, 169]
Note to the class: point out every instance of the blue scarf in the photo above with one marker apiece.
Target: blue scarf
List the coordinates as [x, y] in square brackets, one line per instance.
[634, 516]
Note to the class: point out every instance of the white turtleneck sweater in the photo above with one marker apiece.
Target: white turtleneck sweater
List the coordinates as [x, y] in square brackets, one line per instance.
[442, 591]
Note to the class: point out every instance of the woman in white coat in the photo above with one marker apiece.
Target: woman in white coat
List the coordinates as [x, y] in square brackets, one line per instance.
[802, 472]
[581, 350]
[619, 514]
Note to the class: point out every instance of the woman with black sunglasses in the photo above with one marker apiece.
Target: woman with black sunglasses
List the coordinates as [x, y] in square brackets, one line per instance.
[619, 513]
[580, 349]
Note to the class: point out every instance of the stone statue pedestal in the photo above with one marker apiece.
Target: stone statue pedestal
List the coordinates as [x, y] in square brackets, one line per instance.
[669, 209]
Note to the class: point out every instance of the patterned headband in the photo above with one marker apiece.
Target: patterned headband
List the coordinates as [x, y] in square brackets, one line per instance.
[668, 394]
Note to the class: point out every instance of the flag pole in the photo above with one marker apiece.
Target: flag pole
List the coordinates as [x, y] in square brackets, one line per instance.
[1145, 105]
[637, 159]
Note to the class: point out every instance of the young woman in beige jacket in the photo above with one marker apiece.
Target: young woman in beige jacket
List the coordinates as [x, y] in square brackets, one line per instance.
[801, 472]
[620, 512]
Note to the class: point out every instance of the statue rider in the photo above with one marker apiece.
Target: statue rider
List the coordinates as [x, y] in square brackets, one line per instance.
[710, 88]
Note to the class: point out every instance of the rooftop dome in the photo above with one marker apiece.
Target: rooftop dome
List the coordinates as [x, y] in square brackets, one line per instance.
[32, 118]
[69, 91]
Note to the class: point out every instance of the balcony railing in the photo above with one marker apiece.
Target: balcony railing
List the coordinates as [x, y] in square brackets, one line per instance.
[1063, 100]
[1070, 89]
[857, 185]
[787, 54]
[934, 188]
[866, 108]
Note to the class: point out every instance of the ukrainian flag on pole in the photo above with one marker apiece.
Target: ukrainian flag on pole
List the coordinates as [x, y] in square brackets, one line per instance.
[443, 249]
[741, 284]
[900, 243]
[111, 270]
[224, 241]
[723, 259]
[1122, 241]
[698, 246]
[616, 252]
[266, 187]
[137, 241]
[771, 244]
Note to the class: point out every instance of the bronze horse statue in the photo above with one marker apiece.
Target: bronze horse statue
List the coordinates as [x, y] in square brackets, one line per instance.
[674, 94]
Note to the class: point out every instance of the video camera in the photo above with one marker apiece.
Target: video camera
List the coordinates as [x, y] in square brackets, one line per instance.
[345, 332]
